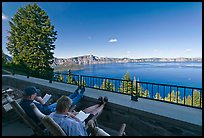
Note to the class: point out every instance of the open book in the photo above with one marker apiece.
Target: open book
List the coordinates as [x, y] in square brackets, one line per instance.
[45, 98]
[82, 116]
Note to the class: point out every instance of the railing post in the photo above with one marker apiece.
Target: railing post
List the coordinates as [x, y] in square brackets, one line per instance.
[28, 73]
[134, 97]
[50, 81]
[51, 77]
[13, 70]
[131, 94]
[79, 80]
[13, 73]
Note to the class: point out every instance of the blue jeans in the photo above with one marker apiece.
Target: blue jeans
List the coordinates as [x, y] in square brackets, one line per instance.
[75, 99]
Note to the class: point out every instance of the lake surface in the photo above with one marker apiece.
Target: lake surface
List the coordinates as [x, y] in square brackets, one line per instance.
[183, 74]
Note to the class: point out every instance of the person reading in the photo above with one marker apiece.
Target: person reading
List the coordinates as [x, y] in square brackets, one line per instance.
[69, 121]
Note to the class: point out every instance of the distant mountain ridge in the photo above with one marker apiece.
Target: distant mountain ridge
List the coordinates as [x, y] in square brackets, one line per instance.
[91, 59]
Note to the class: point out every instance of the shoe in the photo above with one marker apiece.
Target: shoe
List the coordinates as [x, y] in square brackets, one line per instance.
[77, 90]
[82, 89]
[105, 100]
[79, 87]
[100, 100]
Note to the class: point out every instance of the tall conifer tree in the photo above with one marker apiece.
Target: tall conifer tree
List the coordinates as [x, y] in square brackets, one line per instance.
[31, 40]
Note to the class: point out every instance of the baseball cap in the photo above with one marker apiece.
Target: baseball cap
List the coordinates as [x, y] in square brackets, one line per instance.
[31, 90]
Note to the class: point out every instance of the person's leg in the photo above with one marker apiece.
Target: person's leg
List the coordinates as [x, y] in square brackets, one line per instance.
[82, 90]
[91, 108]
[52, 107]
[78, 96]
[74, 96]
[71, 96]
[76, 99]
[94, 111]
[98, 110]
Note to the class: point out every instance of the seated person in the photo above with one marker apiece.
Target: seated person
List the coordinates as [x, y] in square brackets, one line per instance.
[30, 94]
[71, 125]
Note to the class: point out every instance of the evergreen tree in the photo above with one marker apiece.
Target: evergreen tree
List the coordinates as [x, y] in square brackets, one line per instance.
[158, 96]
[70, 78]
[139, 89]
[196, 98]
[126, 84]
[188, 100]
[134, 86]
[174, 96]
[60, 78]
[83, 83]
[179, 97]
[171, 97]
[31, 40]
[3, 58]
[96, 86]
[107, 85]
[146, 93]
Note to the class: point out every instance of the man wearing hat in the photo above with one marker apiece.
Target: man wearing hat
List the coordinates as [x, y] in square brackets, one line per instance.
[30, 94]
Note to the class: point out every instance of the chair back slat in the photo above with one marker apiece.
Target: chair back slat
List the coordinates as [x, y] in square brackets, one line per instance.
[48, 122]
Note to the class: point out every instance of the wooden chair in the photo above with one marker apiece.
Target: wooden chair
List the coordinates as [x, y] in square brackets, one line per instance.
[96, 131]
[30, 123]
[53, 128]
[122, 130]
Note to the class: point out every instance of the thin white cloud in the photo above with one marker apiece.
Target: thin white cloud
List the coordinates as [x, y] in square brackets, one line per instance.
[155, 50]
[4, 17]
[187, 50]
[113, 40]
[128, 52]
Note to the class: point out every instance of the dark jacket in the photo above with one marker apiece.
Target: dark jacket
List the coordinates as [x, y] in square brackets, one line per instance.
[25, 104]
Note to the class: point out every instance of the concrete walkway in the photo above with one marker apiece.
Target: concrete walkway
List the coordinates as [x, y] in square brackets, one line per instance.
[16, 128]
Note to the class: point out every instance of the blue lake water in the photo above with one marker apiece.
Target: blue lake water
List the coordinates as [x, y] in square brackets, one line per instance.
[184, 73]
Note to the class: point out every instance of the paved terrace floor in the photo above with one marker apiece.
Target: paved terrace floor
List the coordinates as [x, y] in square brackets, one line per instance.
[186, 114]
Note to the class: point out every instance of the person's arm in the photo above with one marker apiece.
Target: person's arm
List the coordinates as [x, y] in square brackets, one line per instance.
[43, 108]
[39, 99]
[73, 116]
[74, 112]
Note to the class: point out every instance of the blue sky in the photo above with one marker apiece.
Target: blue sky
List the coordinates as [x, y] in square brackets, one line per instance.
[120, 29]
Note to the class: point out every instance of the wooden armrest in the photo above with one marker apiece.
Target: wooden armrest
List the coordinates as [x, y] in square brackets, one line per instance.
[122, 129]
[37, 111]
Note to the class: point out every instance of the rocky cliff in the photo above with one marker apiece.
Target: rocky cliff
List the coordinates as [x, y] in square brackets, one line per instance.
[91, 59]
